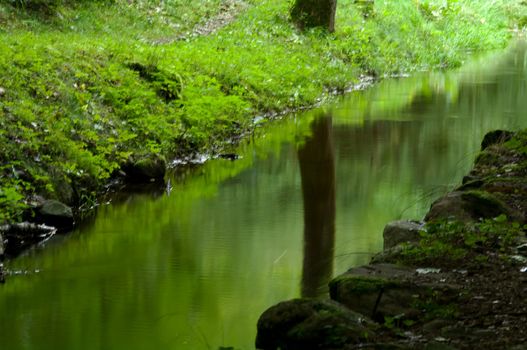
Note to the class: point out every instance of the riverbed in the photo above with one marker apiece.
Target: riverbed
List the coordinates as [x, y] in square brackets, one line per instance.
[193, 266]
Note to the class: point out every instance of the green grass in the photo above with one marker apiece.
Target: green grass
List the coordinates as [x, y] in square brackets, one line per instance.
[90, 84]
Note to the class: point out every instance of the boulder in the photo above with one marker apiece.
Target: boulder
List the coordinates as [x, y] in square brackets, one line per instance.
[401, 231]
[145, 169]
[312, 324]
[495, 137]
[56, 214]
[468, 206]
[387, 290]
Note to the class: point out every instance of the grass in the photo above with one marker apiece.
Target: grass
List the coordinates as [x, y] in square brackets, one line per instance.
[87, 85]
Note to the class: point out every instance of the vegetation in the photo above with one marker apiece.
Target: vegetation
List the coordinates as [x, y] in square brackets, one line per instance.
[462, 242]
[86, 85]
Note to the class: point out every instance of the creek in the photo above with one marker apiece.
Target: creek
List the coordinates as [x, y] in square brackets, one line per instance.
[194, 267]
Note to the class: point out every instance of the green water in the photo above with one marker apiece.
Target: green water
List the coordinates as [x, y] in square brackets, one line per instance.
[194, 268]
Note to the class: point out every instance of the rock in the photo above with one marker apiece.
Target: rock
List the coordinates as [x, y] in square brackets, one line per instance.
[56, 214]
[397, 232]
[468, 206]
[388, 256]
[434, 327]
[146, 168]
[18, 237]
[1, 247]
[382, 290]
[496, 137]
[376, 290]
[312, 324]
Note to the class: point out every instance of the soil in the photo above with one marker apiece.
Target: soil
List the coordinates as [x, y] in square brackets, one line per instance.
[491, 311]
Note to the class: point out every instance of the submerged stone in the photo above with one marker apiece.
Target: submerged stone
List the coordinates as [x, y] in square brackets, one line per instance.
[312, 324]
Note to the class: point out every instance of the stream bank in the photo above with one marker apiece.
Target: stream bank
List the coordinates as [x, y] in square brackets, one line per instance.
[87, 101]
[455, 281]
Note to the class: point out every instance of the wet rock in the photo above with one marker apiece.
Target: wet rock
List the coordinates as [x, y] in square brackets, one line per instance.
[496, 137]
[377, 290]
[468, 206]
[312, 324]
[397, 232]
[18, 237]
[146, 169]
[382, 290]
[56, 214]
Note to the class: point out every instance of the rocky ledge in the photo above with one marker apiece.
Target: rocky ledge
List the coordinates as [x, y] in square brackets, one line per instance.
[457, 280]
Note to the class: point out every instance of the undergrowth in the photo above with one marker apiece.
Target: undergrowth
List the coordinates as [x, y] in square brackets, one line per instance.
[462, 242]
[84, 85]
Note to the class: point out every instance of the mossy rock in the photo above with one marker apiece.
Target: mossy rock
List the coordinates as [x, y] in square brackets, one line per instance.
[145, 168]
[401, 231]
[56, 214]
[496, 137]
[378, 290]
[469, 206]
[388, 290]
[312, 324]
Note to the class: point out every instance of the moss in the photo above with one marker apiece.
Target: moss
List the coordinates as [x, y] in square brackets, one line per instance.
[361, 285]
[484, 204]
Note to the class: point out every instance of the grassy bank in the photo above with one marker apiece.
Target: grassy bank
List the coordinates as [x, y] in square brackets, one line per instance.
[86, 86]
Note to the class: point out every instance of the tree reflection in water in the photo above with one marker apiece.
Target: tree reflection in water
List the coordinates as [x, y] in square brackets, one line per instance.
[317, 169]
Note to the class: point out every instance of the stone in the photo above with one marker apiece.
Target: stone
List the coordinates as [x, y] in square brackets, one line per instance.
[495, 137]
[1, 247]
[381, 290]
[312, 324]
[401, 231]
[468, 206]
[21, 236]
[146, 169]
[390, 255]
[56, 214]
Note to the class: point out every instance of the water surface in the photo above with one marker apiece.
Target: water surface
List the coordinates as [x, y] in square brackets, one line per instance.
[193, 269]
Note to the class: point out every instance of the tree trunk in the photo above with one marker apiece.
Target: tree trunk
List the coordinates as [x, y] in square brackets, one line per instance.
[314, 13]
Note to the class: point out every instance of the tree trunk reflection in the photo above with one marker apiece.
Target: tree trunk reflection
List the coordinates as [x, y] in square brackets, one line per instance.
[317, 170]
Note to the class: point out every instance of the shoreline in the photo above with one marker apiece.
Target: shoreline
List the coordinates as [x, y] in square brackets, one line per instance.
[453, 281]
